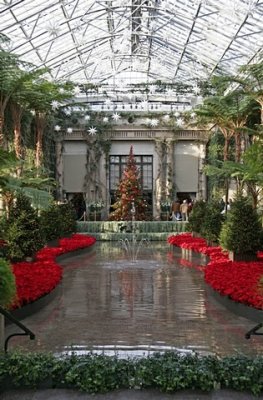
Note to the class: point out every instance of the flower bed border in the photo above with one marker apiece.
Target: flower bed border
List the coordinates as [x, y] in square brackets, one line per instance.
[242, 310]
[31, 308]
[35, 306]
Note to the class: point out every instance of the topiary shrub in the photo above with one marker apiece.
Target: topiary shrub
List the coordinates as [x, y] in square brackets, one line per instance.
[7, 283]
[57, 221]
[68, 219]
[23, 234]
[241, 232]
[212, 222]
[196, 217]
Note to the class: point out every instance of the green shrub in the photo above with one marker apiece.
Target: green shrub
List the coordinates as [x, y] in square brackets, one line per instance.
[196, 217]
[23, 233]
[242, 231]
[7, 284]
[57, 221]
[212, 222]
[167, 372]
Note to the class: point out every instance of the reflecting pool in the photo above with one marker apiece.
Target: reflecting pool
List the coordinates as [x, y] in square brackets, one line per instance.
[112, 304]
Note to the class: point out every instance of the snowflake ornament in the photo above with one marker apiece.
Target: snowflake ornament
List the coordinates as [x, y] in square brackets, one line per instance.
[166, 118]
[92, 131]
[54, 105]
[180, 121]
[116, 117]
[57, 128]
[154, 122]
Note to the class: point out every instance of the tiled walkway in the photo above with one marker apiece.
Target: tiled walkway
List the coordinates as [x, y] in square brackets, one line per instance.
[108, 302]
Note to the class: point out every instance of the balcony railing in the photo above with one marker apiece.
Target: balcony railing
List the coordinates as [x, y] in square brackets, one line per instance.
[143, 134]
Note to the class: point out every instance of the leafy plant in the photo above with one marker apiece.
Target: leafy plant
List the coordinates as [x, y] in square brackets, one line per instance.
[23, 234]
[57, 221]
[197, 216]
[212, 221]
[242, 231]
[167, 372]
[7, 284]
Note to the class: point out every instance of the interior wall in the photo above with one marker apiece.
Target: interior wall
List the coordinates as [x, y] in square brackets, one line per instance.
[186, 167]
[74, 161]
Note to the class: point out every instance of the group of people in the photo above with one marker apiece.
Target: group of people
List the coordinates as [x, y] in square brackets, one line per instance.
[180, 211]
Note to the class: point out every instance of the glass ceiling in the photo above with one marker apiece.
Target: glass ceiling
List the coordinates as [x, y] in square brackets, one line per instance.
[118, 43]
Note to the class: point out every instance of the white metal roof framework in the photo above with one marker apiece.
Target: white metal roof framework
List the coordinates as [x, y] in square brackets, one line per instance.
[117, 43]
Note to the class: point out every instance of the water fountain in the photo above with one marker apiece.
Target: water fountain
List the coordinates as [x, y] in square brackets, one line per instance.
[132, 247]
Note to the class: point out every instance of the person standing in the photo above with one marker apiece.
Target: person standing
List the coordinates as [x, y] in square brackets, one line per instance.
[175, 209]
[184, 210]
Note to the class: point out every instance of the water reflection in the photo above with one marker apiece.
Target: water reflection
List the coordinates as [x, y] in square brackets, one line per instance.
[110, 304]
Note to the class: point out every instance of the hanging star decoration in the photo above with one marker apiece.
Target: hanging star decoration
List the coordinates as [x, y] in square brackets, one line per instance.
[154, 122]
[116, 117]
[148, 121]
[87, 117]
[67, 111]
[54, 105]
[180, 121]
[69, 130]
[105, 119]
[92, 131]
[166, 118]
[57, 128]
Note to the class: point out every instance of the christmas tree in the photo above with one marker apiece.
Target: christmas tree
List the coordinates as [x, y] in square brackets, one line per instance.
[129, 193]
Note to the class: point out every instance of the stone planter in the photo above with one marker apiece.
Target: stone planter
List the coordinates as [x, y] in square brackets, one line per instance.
[233, 256]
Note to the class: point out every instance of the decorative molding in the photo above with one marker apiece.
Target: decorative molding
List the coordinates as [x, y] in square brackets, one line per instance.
[143, 134]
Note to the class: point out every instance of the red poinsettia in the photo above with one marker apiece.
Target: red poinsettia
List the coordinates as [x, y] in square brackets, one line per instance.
[37, 278]
[238, 280]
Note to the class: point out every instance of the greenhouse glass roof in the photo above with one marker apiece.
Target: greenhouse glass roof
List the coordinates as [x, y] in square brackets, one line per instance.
[118, 43]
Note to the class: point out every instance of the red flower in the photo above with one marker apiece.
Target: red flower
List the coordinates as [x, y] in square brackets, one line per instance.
[238, 280]
[35, 279]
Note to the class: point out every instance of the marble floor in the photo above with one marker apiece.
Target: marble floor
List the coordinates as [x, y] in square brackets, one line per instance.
[133, 304]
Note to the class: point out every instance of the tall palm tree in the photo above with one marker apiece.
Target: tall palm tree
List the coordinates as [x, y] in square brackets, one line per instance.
[19, 102]
[13, 75]
[43, 96]
[252, 81]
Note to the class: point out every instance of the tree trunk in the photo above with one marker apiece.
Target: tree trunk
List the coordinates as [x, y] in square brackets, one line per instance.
[238, 147]
[2, 333]
[40, 124]
[252, 190]
[226, 147]
[16, 111]
[2, 121]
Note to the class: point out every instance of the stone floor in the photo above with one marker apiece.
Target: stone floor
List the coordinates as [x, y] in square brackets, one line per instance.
[59, 394]
[134, 304]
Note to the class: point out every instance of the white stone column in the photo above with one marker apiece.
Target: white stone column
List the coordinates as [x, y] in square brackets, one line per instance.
[59, 168]
[170, 167]
[202, 187]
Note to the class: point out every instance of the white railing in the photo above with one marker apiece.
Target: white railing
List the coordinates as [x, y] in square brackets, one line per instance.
[143, 134]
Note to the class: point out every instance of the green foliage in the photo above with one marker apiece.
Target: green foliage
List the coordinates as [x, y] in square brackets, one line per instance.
[197, 216]
[23, 233]
[241, 232]
[7, 284]
[57, 221]
[212, 222]
[167, 372]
